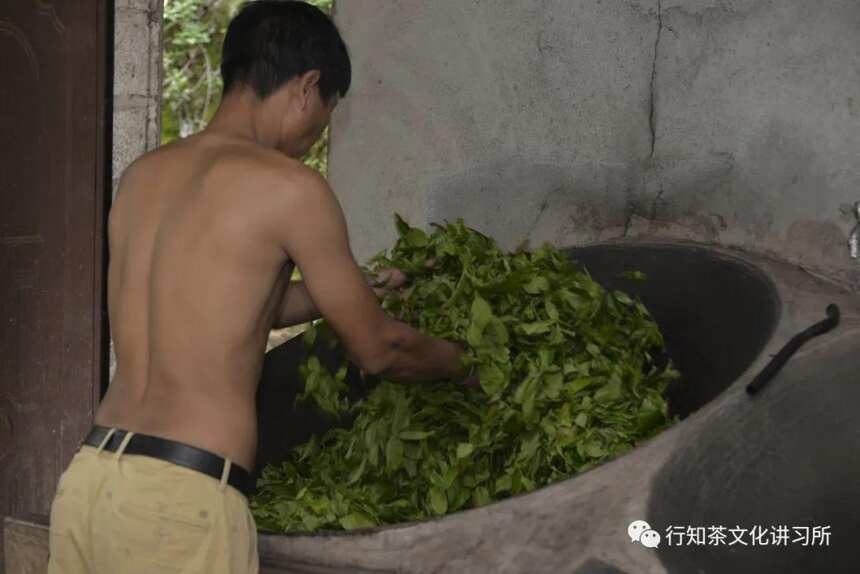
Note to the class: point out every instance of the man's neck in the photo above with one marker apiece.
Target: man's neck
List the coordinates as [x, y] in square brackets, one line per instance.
[236, 118]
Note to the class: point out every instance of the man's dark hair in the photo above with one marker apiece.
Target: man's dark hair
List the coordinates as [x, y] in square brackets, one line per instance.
[269, 42]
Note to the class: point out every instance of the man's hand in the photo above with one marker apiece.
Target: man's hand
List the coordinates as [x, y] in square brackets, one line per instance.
[385, 280]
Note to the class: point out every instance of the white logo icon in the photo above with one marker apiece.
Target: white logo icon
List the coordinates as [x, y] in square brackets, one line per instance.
[650, 539]
[640, 531]
[636, 528]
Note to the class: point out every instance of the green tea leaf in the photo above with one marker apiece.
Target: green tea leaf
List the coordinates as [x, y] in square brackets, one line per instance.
[416, 237]
[567, 379]
[356, 520]
[393, 454]
[537, 285]
[309, 336]
[415, 435]
[464, 449]
[634, 275]
[481, 496]
[492, 378]
[536, 328]
[438, 501]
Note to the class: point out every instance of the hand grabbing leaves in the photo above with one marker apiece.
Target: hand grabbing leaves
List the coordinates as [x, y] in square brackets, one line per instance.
[565, 380]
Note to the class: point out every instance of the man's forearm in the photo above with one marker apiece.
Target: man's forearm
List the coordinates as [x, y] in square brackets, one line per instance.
[297, 306]
[418, 357]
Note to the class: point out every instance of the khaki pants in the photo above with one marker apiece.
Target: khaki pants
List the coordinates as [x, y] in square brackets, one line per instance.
[125, 514]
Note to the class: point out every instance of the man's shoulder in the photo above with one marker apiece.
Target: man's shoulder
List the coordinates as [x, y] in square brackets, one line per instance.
[271, 187]
[223, 158]
[230, 172]
[262, 169]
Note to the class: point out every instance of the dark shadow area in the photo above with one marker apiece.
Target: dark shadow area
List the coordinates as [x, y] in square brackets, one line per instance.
[716, 312]
[786, 457]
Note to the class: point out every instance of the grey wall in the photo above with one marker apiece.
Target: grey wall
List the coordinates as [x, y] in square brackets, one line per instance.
[574, 121]
[137, 87]
[137, 81]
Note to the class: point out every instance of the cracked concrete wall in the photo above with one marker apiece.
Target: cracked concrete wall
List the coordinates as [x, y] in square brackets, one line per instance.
[573, 121]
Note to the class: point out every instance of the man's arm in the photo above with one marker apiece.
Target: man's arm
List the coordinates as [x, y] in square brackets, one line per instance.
[311, 229]
[298, 307]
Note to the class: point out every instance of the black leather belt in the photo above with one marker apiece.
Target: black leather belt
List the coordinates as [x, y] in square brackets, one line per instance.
[175, 452]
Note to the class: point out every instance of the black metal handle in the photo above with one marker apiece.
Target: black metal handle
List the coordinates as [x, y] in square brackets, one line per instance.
[790, 348]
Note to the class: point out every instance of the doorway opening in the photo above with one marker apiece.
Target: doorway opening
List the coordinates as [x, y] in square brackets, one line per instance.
[193, 33]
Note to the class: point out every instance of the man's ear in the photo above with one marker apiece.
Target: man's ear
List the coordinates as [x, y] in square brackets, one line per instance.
[309, 81]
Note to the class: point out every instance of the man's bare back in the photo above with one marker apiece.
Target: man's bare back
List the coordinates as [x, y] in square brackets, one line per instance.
[193, 288]
[203, 238]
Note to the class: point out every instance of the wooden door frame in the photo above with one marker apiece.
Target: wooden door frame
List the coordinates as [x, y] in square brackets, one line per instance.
[101, 45]
[103, 197]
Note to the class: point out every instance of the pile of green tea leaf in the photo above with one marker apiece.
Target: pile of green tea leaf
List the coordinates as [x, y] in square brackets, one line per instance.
[568, 380]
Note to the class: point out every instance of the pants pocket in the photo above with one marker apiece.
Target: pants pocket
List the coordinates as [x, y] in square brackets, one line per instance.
[138, 534]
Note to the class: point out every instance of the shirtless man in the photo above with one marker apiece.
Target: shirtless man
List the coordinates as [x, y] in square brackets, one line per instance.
[204, 235]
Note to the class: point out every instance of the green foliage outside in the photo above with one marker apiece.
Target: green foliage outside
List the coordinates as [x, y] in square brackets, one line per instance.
[193, 34]
[569, 379]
